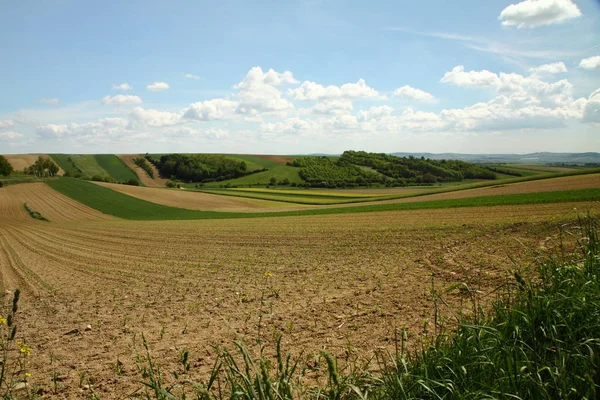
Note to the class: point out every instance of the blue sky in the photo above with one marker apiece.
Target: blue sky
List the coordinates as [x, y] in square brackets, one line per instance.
[288, 77]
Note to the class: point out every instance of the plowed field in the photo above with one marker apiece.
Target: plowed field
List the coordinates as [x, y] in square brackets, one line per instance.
[156, 182]
[337, 282]
[22, 161]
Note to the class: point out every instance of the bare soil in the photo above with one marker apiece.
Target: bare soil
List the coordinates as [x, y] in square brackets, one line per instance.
[341, 283]
[146, 180]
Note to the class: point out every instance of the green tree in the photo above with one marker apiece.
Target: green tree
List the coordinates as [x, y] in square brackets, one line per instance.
[42, 167]
[5, 167]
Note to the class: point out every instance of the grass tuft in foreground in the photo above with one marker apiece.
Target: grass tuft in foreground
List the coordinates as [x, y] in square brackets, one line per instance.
[540, 340]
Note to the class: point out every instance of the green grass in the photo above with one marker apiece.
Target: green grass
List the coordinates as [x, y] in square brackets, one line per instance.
[34, 214]
[294, 196]
[255, 160]
[116, 167]
[86, 163]
[123, 206]
[279, 172]
[62, 160]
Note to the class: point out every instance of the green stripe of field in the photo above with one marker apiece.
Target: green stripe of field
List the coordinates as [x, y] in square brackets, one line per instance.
[123, 206]
[116, 167]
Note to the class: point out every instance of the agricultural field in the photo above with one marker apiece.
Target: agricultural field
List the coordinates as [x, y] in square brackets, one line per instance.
[116, 167]
[92, 284]
[189, 270]
[198, 200]
[22, 161]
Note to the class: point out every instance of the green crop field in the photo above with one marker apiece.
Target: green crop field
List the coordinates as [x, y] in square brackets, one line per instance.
[123, 206]
[279, 172]
[62, 160]
[116, 167]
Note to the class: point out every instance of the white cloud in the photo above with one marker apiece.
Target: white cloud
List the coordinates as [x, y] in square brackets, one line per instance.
[191, 76]
[459, 77]
[122, 99]
[10, 136]
[549, 69]
[157, 86]
[211, 110]
[52, 131]
[590, 63]
[314, 91]
[49, 101]
[375, 113]
[6, 123]
[338, 106]
[257, 92]
[141, 117]
[591, 112]
[534, 13]
[414, 93]
[122, 86]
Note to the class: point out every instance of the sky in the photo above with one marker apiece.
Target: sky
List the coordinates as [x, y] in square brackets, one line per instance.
[299, 77]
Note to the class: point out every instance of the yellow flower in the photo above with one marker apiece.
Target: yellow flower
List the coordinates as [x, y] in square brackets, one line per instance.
[267, 275]
[2, 321]
[24, 348]
[27, 374]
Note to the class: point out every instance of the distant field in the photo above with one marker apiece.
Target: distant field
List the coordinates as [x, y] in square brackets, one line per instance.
[279, 172]
[21, 161]
[123, 206]
[116, 167]
[85, 164]
[194, 200]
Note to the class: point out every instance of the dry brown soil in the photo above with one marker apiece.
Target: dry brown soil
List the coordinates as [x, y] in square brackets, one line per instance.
[146, 180]
[341, 283]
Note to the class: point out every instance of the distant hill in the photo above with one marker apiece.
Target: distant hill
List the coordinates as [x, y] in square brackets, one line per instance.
[532, 158]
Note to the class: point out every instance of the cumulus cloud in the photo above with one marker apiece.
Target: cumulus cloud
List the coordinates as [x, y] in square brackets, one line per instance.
[376, 112]
[414, 93]
[216, 109]
[591, 112]
[6, 123]
[337, 106]
[191, 76]
[590, 63]
[258, 93]
[49, 101]
[121, 99]
[157, 86]
[314, 91]
[534, 13]
[51, 131]
[141, 117]
[122, 86]
[549, 69]
[459, 77]
[10, 136]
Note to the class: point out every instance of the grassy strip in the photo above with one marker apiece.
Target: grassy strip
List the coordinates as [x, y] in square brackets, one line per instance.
[445, 189]
[34, 214]
[116, 167]
[123, 206]
[290, 197]
[540, 340]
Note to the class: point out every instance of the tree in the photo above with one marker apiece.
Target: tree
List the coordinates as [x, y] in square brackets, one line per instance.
[42, 167]
[5, 167]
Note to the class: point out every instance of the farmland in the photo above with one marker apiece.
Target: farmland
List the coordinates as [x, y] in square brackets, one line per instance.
[192, 270]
